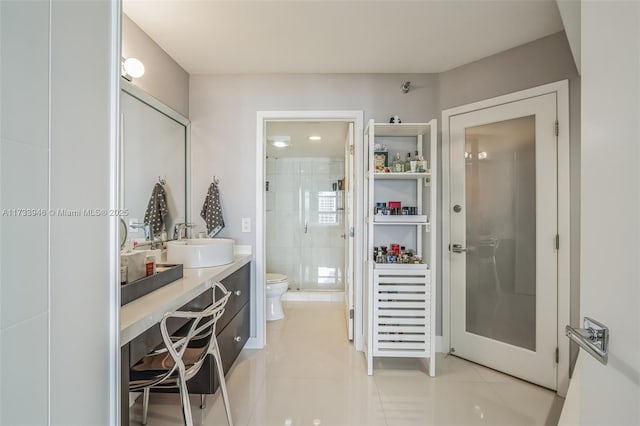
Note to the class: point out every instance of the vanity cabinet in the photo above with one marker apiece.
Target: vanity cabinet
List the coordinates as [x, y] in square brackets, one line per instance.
[232, 331]
[400, 297]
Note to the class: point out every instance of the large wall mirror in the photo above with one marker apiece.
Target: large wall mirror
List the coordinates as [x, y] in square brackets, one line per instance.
[154, 150]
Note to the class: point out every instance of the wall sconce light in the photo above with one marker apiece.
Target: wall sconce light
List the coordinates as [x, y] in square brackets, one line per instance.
[132, 68]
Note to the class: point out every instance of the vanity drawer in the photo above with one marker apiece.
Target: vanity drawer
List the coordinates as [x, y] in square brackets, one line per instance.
[206, 381]
[238, 284]
[150, 339]
[233, 338]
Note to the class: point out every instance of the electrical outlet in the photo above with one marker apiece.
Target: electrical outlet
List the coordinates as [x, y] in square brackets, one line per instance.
[246, 224]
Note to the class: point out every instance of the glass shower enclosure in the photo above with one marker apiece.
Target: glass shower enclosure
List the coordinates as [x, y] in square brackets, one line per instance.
[304, 235]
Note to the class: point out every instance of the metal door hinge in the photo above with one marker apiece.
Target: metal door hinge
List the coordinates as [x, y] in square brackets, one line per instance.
[352, 232]
[350, 313]
[557, 241]
[557, 355]
[351, 149]
[557, 128]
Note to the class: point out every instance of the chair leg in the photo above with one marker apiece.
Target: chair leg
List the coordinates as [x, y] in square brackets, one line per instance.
[184, 398]
[203, 403]
[145, 405]
[223, 384]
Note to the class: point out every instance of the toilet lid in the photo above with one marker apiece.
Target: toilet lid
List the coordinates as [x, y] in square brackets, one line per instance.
[276, 278]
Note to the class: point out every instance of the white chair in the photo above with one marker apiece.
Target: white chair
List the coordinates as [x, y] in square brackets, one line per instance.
[174, 364]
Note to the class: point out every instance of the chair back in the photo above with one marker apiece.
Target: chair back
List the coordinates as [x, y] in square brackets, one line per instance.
[202, 325]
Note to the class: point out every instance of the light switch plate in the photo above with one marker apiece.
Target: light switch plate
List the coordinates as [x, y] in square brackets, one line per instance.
[246, 224]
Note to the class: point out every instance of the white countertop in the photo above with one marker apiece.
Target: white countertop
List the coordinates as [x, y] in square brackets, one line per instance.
[141, 314]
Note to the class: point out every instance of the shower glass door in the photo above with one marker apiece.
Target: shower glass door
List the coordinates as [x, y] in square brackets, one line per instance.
[321, 224]
[305, 222]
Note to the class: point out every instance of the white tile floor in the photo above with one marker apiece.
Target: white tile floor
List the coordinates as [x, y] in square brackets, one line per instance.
[309, 374]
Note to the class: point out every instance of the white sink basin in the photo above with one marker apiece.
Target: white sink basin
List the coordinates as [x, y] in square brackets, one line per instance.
[200, 252]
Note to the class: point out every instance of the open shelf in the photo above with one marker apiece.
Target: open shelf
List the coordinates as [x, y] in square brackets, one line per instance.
[401, 176]
[402, 129]
[416, 219]
[398, 266]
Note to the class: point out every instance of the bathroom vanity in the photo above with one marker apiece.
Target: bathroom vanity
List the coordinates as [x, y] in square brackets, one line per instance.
[139, 320]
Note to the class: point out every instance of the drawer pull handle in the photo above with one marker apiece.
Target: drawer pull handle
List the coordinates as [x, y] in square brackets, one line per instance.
[237, 339]
[237, 292]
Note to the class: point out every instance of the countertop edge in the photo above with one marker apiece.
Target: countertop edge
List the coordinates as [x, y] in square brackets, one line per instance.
[139, 315]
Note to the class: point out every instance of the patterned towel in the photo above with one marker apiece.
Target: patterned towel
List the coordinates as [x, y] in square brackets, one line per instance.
[156, 211]
[211, 211]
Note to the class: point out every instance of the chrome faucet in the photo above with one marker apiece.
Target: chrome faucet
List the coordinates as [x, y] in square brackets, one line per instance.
[178, 229]
[145, 227]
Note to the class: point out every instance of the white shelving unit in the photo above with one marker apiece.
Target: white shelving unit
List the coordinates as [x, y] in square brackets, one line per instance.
[400, 298]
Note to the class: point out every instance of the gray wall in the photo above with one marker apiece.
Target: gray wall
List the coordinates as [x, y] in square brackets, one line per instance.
[163, 79]
[58, 311]
[223, 113]
[542, 61]
[223, 124]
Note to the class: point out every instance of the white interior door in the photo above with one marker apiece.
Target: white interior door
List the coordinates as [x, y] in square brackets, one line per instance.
[349, 224]
[503, 258]
[610, 209]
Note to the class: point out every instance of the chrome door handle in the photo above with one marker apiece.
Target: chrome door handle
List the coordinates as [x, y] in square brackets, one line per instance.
[457, 248]
[593, 338]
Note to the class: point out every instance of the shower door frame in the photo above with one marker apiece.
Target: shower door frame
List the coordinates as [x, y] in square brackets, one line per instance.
[561, 88]
[258, 339]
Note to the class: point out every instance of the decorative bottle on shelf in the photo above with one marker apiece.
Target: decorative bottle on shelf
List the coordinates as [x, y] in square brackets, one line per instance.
[398, 165]
[414, 162]
[407, 164]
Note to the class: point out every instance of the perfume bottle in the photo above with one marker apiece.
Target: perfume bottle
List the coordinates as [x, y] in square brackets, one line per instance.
[397, 165]
[407, 163]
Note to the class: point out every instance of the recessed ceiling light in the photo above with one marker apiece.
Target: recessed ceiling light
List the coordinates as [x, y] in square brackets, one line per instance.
[280, 141]
[315, 138]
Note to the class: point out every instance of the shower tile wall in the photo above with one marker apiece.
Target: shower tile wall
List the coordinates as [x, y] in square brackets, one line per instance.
[300, 192]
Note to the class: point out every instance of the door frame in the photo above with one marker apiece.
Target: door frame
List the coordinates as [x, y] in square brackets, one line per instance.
[357, 118]
[561, 89]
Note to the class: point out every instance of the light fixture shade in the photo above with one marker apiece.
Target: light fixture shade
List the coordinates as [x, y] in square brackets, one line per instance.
[134, 67]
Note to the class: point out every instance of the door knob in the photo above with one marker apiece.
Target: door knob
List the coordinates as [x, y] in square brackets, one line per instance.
[237, 292]
[457, 248]
[237, 339]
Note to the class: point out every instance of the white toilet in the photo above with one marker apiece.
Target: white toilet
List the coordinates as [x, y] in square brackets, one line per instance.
[276, 285]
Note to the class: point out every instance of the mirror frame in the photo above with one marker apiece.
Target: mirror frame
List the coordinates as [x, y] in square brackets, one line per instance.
[144, 97]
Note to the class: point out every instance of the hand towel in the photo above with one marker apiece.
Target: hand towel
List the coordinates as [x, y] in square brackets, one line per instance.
[211, 211]
[156, 211]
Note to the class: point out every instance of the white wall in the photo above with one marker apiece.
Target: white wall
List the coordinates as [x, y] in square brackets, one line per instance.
[24, 183]
[58, 354]
[164, 78]
[610, 290]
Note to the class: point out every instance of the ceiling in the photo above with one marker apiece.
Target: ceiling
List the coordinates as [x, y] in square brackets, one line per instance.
[332, 145]
[339, 36]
